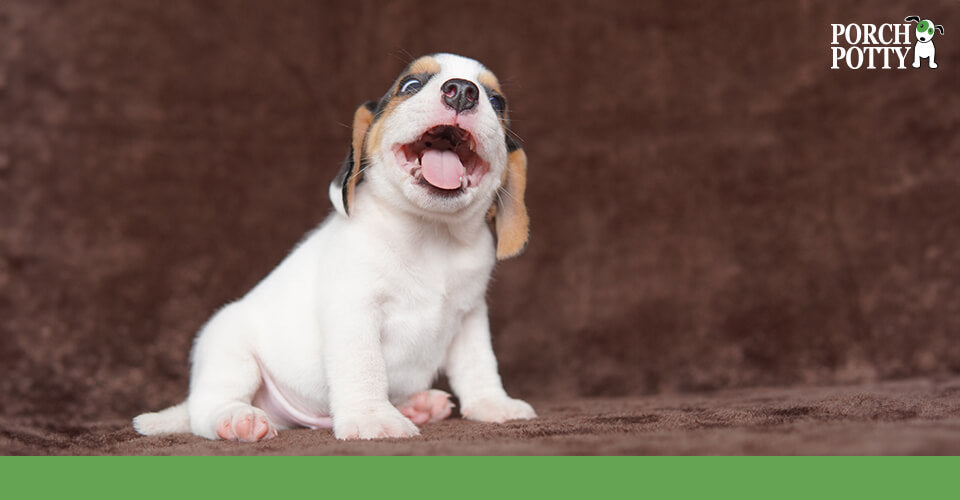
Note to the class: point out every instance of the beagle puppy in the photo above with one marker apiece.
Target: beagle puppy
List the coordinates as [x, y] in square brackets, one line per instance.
[352, 328]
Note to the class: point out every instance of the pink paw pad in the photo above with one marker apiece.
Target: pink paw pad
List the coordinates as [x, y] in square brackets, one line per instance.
[246, 426]
[427, 406]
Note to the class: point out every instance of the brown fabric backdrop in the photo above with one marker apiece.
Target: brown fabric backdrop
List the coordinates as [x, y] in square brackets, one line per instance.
[712, 206]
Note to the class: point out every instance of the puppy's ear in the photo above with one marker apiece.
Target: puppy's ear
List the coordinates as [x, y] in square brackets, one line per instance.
[344, 186]
[939, 28]
[511, 222]
[915, 19]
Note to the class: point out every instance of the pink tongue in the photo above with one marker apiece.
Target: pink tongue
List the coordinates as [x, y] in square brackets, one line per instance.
[442, 168]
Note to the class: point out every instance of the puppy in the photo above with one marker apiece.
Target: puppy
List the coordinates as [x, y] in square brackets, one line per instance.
[352, 328]
[924, 46]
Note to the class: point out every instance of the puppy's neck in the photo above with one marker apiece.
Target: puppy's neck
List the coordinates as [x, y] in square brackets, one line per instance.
[408, 226]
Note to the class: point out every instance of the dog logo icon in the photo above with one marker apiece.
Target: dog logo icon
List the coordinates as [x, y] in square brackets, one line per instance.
[924, 47]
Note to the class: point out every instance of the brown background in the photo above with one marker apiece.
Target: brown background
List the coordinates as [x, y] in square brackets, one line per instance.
[712, 206]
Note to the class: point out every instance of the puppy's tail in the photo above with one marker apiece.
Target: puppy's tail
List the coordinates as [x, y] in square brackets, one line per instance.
[173, 420]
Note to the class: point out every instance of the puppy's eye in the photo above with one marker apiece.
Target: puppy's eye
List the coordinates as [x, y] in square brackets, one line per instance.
[930, 31]
[411, 86]
[498, 104]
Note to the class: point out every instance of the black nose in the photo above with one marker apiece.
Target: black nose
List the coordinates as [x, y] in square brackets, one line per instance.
[460, 94]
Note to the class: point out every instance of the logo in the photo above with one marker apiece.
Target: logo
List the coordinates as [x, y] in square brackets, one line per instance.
[886, 46]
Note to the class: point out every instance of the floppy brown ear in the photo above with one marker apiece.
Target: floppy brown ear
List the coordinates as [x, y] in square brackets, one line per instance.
[511, 221]
[344, 186]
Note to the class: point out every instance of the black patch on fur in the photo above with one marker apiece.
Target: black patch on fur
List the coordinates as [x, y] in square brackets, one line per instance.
[344, 177]
[381, 105]
[511, 144]
[493, 94]
[394, 91]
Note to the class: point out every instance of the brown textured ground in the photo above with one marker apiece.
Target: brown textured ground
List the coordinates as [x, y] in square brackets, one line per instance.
[712, 206]
[904, 418]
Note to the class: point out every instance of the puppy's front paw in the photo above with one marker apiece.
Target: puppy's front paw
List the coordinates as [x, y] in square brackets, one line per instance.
[378, 423]
[498, 410]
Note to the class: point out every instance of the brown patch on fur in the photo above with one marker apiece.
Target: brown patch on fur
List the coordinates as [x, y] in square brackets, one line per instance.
[373, 137]
[488, 79]
[493, 211]
[511, 219]
[425, 64]
[362, 119]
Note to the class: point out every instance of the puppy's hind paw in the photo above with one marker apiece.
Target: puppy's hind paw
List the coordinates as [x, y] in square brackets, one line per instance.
[380, 423]
[246, 424]
[498, 410]
[427, 406]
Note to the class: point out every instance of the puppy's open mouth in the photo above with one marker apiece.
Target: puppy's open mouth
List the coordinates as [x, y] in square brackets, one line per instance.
[444, 158]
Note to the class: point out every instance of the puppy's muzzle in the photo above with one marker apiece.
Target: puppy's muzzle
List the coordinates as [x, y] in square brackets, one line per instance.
[459, 94]
[444, 158]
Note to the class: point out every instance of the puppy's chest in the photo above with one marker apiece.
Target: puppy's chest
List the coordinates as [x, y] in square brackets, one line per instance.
[426, 297]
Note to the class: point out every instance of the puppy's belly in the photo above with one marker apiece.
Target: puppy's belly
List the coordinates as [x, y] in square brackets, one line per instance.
[283, 410]
[293, 389]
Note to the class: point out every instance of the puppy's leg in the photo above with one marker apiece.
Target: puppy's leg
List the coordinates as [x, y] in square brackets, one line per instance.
[357, 374]
[916, 56]
[427, 406]
[224, 378]
[472, 370]
[933, 55]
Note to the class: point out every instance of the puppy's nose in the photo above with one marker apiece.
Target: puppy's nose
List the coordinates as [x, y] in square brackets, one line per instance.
[460, 94]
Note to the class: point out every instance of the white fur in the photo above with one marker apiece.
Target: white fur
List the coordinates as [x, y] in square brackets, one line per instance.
[368, 308]
[925, 49]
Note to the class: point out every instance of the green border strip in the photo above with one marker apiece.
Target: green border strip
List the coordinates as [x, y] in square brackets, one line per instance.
[481, 477]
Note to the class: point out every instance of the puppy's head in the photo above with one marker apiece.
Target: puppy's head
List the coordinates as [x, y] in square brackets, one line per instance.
[925, 28]
[436, 144]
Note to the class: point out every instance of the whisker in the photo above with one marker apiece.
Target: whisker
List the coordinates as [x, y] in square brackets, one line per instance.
[515, 136]
[365, 166]
[503, 190]
[509, 82]
[403, 56]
